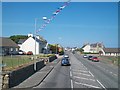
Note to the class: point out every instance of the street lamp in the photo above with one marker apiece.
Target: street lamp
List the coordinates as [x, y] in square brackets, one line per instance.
[35, 46]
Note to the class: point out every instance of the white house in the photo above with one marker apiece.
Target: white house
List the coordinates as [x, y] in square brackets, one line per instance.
[29, 44]
[92, 48]
[110, 52]
[86, 48]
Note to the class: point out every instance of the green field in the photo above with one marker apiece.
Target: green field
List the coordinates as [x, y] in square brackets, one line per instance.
[112, 59]
[10, 62]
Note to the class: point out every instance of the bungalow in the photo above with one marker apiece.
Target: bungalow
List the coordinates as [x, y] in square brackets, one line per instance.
[92, 48]
[29, 44]
[7, 46]
[110, 52]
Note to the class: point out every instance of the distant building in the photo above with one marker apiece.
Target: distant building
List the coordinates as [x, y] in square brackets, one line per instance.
[110, 52]
[8, 46]
[92, 48]
[29, 44]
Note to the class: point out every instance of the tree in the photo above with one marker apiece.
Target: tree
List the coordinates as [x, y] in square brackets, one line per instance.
[16, 38]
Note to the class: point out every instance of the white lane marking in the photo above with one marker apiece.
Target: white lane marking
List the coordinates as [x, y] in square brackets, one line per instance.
[101, 84]
[91, 73]
[79, 70]
[71, 84]
[84, 78]
[82, 73]
[115, 74]
[71, 81]
[87, 85]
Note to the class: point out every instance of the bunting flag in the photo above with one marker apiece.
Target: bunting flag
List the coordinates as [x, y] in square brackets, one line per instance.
[47, 21]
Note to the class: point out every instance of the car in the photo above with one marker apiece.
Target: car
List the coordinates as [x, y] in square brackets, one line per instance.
[66, 56]
[29, 53]
[85, 56]
[20, 52]
[95, 59]
[90, 57]
[65, 62]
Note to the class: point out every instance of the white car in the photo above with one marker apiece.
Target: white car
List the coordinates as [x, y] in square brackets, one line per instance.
[20, 52]
[85, 56]
[66, 56]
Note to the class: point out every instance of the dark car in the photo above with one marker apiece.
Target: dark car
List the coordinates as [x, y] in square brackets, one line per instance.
[90, 57]
[65, 62]
[95, 59]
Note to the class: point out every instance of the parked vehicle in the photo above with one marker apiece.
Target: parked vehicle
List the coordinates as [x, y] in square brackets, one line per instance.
[65, 62]
[85, 56]
[20, 52]
[29, 53]
[90, 57]
[95, 59]
[13, 53]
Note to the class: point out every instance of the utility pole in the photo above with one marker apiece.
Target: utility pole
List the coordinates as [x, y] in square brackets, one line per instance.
[35, 46]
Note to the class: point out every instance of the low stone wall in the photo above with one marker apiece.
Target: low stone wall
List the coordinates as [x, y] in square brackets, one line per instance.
[52, 58]
[16, 77]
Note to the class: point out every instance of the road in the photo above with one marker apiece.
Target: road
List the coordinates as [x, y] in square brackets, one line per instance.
[81, 74]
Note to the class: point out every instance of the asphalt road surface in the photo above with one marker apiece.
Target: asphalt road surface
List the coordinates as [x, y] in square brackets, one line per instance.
[81, 74]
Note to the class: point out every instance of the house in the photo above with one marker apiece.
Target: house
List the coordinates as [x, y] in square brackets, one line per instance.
[30, 43]
[110, 52]
[92, 48]
[8, 46]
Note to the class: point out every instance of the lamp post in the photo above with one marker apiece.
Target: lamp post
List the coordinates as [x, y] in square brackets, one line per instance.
[35, 46]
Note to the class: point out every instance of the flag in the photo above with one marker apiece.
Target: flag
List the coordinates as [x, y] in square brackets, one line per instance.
[55, 13]
[44, 18]
[62, 7]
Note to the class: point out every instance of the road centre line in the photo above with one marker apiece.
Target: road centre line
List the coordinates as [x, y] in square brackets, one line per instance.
[82, 73]
[71, 81]
[101, 84]
[87, 85]
[84, 78]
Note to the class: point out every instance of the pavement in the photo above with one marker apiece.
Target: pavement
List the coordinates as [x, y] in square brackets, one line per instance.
[39, 76]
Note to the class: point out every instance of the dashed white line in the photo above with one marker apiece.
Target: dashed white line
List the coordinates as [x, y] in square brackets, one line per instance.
[71, 81]
[84, 78]
[101, 84]
[91, 73]
[87, 85]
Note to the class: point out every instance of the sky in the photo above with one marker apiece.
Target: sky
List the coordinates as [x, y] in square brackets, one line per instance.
[76, 24]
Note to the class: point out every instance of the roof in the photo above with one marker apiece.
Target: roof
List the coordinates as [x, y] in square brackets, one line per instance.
[21, 41]
[96, 44]
[111, 50]
[39, 40]
[7, 42]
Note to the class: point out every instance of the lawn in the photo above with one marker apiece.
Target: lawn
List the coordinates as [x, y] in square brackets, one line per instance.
[112, 59]
[10, 62]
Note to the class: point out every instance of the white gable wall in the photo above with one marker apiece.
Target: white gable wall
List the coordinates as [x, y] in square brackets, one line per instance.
[86, 48]
[29, 45]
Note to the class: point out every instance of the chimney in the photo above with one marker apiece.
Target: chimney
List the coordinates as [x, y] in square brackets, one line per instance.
[30, 35]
